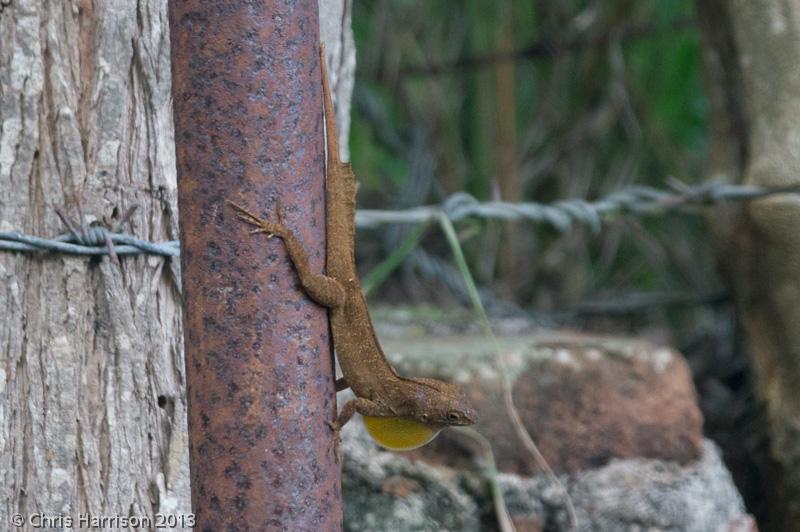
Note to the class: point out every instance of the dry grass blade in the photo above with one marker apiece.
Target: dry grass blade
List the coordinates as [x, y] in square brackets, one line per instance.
[504, 522]
[522, 433]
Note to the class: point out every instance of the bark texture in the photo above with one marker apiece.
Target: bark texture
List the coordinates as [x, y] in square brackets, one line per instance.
[92, 391]
[751, 53]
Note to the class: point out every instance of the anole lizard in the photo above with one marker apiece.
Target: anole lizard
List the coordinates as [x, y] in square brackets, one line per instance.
[399, 412]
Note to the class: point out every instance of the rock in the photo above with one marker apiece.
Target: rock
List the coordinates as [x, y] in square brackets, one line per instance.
[589, 400]
[584, 399]
[389, 491]
[616, 418]
[635, 495]
[385, 491]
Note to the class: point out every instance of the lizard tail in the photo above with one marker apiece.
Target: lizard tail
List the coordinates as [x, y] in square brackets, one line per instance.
[330, 121]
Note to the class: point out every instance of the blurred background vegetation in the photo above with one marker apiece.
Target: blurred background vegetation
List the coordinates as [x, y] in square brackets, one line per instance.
[525, 101]
[541, 101]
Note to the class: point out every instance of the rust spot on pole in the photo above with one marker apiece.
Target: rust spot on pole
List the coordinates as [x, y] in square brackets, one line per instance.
[248, 127]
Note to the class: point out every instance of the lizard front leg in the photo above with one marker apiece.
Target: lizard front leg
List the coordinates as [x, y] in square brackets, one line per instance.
[325, 290]
[365, 407]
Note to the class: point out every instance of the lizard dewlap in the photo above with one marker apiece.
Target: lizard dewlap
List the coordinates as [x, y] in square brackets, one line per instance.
[399, 433]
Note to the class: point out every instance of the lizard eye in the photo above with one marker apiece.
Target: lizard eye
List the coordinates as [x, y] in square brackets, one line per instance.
[453, 416]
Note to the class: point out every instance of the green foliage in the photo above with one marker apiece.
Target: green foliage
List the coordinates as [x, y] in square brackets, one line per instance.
[613, 98]
[376, 162]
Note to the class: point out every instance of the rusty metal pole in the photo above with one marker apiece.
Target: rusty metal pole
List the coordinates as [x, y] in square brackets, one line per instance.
[248, 127]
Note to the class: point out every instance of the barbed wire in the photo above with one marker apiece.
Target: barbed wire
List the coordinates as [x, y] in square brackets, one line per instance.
[562, 215]
[95, 243]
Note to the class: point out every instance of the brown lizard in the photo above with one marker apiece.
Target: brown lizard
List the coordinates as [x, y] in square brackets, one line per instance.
[400, 412]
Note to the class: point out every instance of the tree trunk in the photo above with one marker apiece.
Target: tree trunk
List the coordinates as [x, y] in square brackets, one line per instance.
[751, 54]
[92, 404]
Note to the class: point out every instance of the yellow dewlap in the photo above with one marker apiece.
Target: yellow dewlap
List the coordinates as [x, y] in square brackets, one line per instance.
[399, 433]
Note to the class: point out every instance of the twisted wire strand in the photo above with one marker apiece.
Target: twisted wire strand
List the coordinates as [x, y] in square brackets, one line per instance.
[562, 215]
[68, 244]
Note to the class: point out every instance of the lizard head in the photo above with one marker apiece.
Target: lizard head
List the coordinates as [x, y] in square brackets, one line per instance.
[443, 404]
[437, 405]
